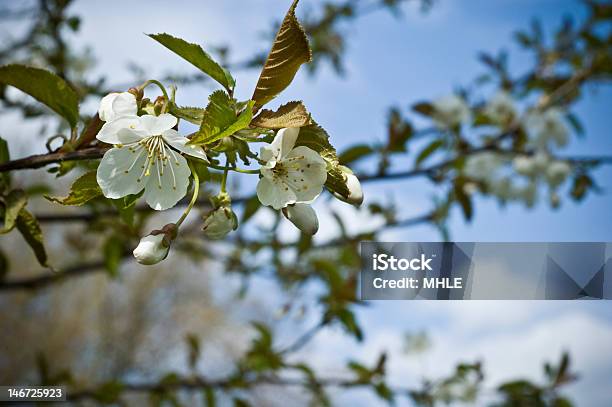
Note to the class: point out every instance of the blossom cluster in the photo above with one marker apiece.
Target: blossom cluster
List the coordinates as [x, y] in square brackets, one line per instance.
[546, 129]
[150, 158]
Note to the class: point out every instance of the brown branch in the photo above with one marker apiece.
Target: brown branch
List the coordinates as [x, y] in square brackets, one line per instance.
[201, 383]
[79, 270]
[40, 160]
[40, 281]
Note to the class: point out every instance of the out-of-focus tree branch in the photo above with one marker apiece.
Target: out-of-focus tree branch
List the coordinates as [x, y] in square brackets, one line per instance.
[79, 270]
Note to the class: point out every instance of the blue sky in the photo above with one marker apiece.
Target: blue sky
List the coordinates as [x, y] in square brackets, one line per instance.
[393, 61]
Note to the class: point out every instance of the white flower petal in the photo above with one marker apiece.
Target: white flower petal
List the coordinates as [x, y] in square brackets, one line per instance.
[124, 105]
[167, 184]
[179, 142]
[105, 111]
[267, 154]
[151, 250]
[156, 125]
[123, 130]
[119, 171]
[284, 141]
[303, 217]
[276, 195]
[306, 173]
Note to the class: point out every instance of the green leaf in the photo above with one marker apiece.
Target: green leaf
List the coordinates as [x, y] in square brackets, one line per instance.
[384, 392]
[193, 343]
[221, 119]
[289, 51]
[429, 150]
[464, 200]
[424, 108]
[200, 168]
[316, 138]
[292, 114]
[5, 177]
[209, 397]
[347, 319]
[355, 153]
[250, 208]
[113, 252]
[13, 203]
[84, 189]
[31, 232]
[582, 183]
[238, 402]
[109, 392]
[44, 86]
[193, 115]
[195, 55]
[574, 121]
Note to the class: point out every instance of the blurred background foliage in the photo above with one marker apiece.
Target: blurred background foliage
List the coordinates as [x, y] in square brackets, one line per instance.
[174, 334]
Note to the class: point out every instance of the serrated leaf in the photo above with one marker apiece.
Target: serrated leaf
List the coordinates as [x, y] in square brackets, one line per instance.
[193, 115]
[316, 138]
[355, 153]
[44, 86]
[31, 232]
[289, 51]
[84, 189]
[13, 203]
[292, 114]
[221, 120]
[199, 58]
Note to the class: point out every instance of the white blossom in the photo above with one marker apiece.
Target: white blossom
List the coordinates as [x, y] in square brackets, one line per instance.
[147, 155]
[557, 172]
[152, 249]
[524, 165]
[501, 109]
[115, 105]
[303, 217]
[545, 127]
[483, 165]
[219, 222]
[290, 174]
[503, 189]
[529, 194]
[450, 111]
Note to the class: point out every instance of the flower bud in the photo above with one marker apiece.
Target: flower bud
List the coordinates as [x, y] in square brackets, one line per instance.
[219, 222]
[154, 247]
[354, 186]
[137, 92]
[303, 217]
[159, 105]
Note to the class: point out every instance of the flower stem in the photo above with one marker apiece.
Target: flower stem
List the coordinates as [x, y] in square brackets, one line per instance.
[161, 87]
[194, 198]
[236, 169]
[224, 179]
